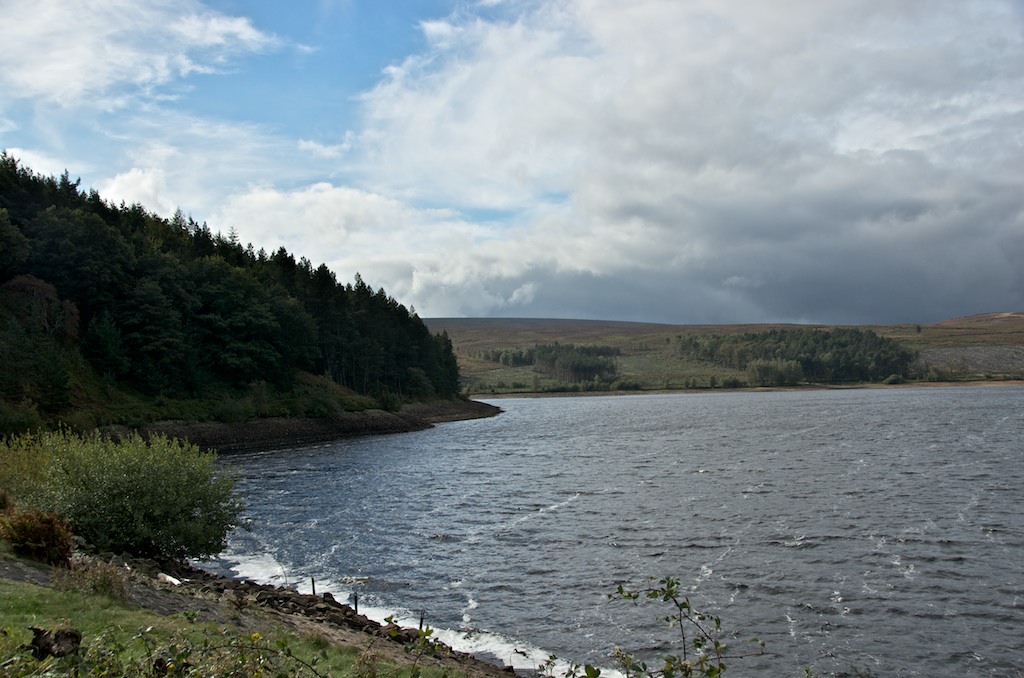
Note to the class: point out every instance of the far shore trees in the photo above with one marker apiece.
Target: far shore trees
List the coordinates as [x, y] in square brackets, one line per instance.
[822, 356]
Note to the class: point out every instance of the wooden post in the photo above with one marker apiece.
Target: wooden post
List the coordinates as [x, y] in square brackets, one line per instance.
[355, 602]
[312, 581]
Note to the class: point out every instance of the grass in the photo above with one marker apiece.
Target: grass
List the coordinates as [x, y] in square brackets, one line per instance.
[119, 639]
[25, 605]
[975, 347]
[136, 637]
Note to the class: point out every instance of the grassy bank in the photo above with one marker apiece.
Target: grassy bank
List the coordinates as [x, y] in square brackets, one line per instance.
[210, 628]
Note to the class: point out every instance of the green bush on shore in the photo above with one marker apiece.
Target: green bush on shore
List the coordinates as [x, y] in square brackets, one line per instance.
[153, 498]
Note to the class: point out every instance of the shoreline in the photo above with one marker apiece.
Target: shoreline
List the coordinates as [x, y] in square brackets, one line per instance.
[280, 433]
[752, 389]
[179, 588]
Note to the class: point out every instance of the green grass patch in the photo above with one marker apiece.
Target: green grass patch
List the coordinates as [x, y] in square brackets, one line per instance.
[25, 605]
[121, 640]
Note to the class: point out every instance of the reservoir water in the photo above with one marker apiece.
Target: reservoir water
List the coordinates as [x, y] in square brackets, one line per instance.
[876, 531]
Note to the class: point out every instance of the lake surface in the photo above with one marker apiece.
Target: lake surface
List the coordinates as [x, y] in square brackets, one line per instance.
[871, 530]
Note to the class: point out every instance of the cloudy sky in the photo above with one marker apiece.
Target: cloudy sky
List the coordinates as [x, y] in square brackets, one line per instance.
[681, 161]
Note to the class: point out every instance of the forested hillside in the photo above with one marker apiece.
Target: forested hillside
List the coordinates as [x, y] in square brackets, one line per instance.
[779, 357]
[113, 303]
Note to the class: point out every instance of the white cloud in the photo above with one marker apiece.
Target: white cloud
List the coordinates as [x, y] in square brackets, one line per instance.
[207, 30]
[345, 226]
[103, 54]
[41, 163]
[147, 187]
[714, 145]
[523, 295]
[320, 150]
[321, 214]
[853, 160]
[181, 161]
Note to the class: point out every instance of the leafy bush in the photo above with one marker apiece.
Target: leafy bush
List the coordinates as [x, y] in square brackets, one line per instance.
[156, 498]
[774, 372]
[38, 535]
[104, 579]
[703, 652]
[321, 406]
[18, 419]
[389, 401]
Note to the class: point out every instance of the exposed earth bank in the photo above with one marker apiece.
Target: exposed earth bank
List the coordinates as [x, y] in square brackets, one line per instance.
[280, 433]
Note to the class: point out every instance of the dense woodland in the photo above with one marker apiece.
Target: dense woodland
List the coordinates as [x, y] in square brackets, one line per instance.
[570, 363]
[788, 356]
[165, 308]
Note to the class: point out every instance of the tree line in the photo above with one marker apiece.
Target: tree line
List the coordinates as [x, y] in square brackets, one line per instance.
[169, 308]
[785, 356]
[571, 363]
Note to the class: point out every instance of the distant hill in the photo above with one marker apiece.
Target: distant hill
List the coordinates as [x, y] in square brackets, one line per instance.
[979, 347]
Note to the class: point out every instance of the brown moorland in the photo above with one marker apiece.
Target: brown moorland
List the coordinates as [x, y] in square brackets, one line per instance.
[986, 347]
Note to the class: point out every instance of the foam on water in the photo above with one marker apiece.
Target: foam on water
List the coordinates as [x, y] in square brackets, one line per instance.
[266, 569]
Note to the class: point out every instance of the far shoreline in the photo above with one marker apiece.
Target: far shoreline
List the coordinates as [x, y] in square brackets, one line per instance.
[282, 433]
[752, 389]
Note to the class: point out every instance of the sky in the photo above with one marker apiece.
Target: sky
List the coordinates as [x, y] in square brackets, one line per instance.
[674, 161]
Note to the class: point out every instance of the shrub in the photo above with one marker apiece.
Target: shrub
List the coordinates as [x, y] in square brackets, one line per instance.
[14, 420]
[774, 372]
[703, 652]
[320, 405]
[97, 577]
[389, 401]
[159, 498]
[733, 382]
[39, 535]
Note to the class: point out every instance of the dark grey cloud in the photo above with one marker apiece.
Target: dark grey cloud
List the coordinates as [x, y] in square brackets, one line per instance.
[840, 162]
[848, 161]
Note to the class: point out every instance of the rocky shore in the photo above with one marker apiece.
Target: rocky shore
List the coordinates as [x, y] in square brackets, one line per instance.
[281, 433]
[179, 589]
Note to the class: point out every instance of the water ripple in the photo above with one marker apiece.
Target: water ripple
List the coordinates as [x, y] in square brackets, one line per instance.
[850, 530]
